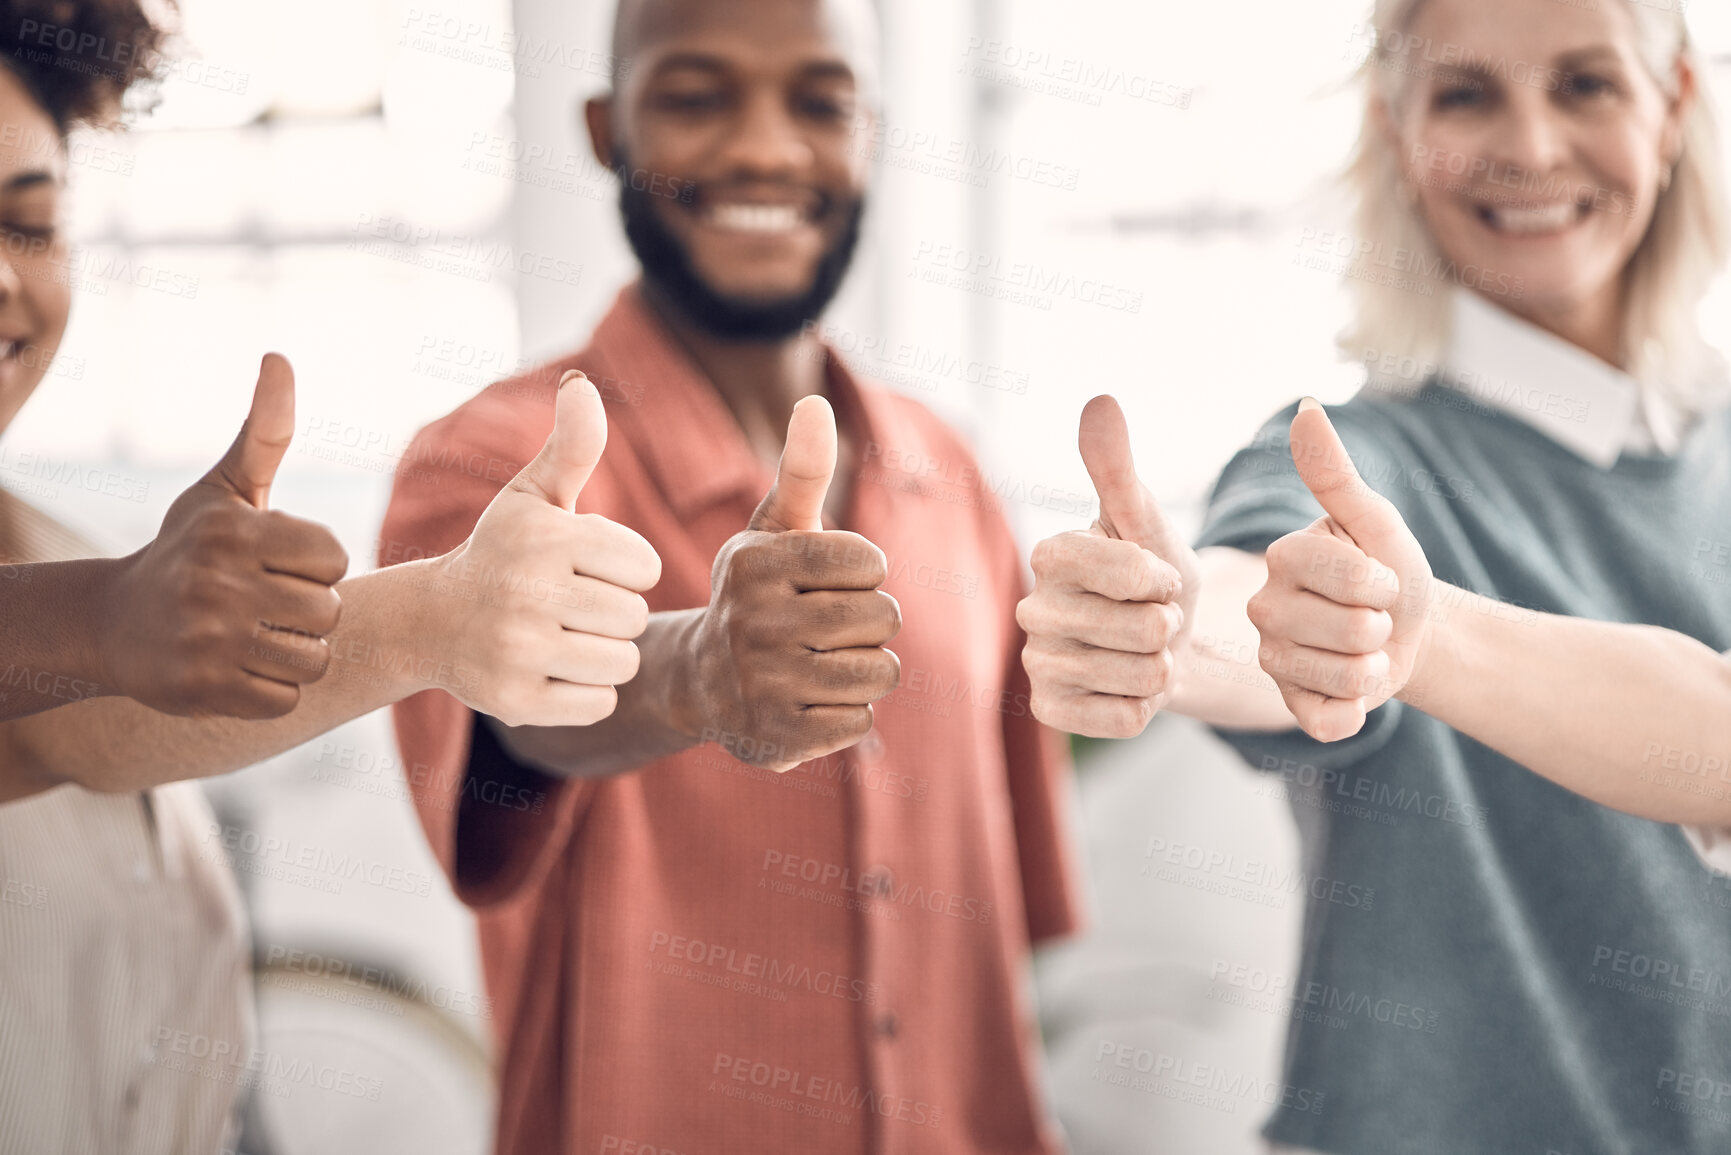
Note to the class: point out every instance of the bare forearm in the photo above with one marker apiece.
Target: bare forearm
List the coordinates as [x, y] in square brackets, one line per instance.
[1636, 718]
[115, 744]
[1220, 681]
[47, 618]
[640, 730]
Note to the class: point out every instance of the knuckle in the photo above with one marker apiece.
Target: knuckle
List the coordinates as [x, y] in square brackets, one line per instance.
[646, 559]
[1260, 609]
[804, 545]
[1168, 671]
[744, 555]
[1046, 556]
[847, 674]
[1148, 629]
[1034, 614]
[629, 662]
[855, 553]
[1362, 630]
[600, 705]
[327, 612]
[206, 633]
[1041, 665]
[211, 538]
[516, 648]
[889, 671]
[892, 615]
[637, 615]
[840, 612]
[857, 725]
[1123, 572]
[1356, 673]
[317, 659]
[267, 522]
[1128, 717]
[750, 631]
[1149, 675]
[1145, 574]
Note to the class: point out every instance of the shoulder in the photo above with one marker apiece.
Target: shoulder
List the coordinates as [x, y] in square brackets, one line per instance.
[1259, 495]
[501, 428]
[510, 418]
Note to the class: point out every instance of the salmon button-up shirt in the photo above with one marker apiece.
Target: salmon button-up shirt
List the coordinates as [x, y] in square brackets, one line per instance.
[701, 956]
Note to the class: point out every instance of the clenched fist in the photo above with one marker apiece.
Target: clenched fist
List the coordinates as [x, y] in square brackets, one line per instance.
[1346, 611]
[1110, 605]
[785, 663]
[548, 633]
[226, 612]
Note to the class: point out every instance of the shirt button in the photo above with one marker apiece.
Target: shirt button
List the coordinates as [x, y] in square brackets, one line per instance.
[887, 1025]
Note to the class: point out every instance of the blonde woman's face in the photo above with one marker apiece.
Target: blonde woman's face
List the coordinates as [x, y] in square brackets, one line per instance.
[35, 294]
[1535, 141]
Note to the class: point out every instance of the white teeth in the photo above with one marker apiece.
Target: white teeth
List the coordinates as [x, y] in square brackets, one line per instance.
[1535, 220]
[7, 348]
[757, 218]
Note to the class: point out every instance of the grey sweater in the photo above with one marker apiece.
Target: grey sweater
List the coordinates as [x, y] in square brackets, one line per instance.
[1536, 973]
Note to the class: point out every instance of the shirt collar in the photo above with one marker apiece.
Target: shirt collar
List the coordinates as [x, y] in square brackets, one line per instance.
[1593, 409]
[688, 438]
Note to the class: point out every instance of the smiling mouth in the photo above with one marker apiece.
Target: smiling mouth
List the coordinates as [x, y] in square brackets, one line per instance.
[763, 220]
[1531, 220]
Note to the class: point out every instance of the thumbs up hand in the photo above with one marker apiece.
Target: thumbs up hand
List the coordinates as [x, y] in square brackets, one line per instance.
[1110, 605]
[225, 613]
[789, 656]
[1345, 615]
[545, 602]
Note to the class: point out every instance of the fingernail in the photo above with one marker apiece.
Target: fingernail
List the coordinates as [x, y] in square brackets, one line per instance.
[1308, 403]
[572, 375]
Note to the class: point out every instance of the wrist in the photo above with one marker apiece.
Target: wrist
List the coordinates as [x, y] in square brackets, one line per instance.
[93, 594]
[1437, 660]
[396, 635]
[679, 653]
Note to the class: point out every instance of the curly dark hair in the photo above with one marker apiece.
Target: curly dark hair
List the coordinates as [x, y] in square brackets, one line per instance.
[79, 58]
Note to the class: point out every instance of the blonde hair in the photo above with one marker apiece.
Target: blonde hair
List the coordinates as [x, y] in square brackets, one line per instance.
[1670, 272]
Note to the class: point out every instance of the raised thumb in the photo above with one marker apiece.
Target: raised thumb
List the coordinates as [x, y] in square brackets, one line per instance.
[802, 479]
[1127, 510]
[249, 467]
[562, 468]
[1332, 478]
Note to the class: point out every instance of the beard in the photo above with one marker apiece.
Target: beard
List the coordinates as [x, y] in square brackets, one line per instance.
[668, 266]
